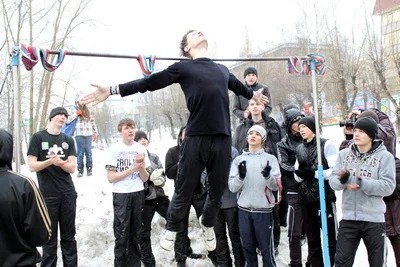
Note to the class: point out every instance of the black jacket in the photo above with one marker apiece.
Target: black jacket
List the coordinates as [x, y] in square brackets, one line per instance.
[273, 134]
[306, 154]
[287, 151]
[24, 221]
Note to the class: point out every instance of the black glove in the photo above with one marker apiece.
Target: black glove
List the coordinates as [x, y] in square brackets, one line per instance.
[344, 176]
[306, 173]
[242, 169]
[267, 170]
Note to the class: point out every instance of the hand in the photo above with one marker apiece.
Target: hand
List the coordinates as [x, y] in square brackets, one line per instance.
[267, 170]
[305, 174]
[157, 177]
[246, 113]
[343, 176]
[347, 130]
[242, 169]
[352, 187]
[139, 158]
[79, 112]
[259, 97]
[94, 137]
[98, 96]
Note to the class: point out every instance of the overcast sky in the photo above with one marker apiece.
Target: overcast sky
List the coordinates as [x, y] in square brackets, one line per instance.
[156, 27]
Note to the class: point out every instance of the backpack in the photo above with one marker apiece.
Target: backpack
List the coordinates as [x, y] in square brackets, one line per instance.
[69, 128]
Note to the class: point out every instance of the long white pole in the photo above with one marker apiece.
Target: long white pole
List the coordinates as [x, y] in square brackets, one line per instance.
[15, 62]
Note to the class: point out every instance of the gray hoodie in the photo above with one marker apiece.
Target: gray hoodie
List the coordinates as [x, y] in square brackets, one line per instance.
[254, 188]
[375, 172]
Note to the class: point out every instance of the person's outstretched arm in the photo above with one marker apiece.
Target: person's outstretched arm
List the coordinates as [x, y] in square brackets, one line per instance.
[154, 82]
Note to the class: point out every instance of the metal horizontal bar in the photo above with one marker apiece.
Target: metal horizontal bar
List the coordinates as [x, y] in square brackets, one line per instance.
[89, 54]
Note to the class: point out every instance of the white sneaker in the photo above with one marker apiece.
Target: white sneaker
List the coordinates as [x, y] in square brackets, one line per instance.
[209, 236]
[167, 240]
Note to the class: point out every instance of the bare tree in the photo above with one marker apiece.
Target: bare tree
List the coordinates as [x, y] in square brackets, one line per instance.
[67, 16]
[379, 60]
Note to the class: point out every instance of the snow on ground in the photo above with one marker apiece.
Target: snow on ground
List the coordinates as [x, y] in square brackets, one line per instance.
[94, 220]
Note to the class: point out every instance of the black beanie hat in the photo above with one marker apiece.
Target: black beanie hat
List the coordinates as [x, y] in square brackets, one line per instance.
[139, 135]
[57, 111]
[368, 125]
[308, 121]
[249, 70]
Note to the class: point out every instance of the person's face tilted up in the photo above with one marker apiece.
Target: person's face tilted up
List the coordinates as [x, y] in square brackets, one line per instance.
[255, 107]
[256, 136]
[193, 39]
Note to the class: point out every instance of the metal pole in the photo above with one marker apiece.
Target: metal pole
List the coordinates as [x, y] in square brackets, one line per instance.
[15, 62]
[321, 183]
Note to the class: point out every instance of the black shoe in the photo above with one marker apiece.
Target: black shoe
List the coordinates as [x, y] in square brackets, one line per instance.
[89, 171]
[80, 172]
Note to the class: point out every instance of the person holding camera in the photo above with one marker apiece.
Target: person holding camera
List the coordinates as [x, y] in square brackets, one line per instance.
[365, 173]
[256, 174]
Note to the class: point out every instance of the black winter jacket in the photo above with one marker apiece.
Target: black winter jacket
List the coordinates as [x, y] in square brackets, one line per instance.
[24, 221]
[306, 154]
[287, 151]
[273, 134]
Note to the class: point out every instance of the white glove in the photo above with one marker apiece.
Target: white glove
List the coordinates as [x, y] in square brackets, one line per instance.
[157, 177]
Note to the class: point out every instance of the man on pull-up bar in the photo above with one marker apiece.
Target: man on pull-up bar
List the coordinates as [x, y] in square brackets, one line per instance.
[207, 142]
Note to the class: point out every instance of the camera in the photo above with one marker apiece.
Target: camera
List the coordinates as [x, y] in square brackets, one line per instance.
[349, 122]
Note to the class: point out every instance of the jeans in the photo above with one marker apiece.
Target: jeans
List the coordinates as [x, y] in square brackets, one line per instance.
[84, 148]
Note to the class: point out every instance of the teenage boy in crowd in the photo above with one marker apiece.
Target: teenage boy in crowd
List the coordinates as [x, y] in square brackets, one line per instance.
[126, 165]
[365, 172]
[208, 141]
[287, 159]
[255, 175]
[273, 132]
[387, 134]
[51, 154]
[155, 201]
[309, 195]
[240, 106]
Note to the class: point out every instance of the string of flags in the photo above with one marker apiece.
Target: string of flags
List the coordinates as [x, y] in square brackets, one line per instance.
[31, 55]
[302, 66]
